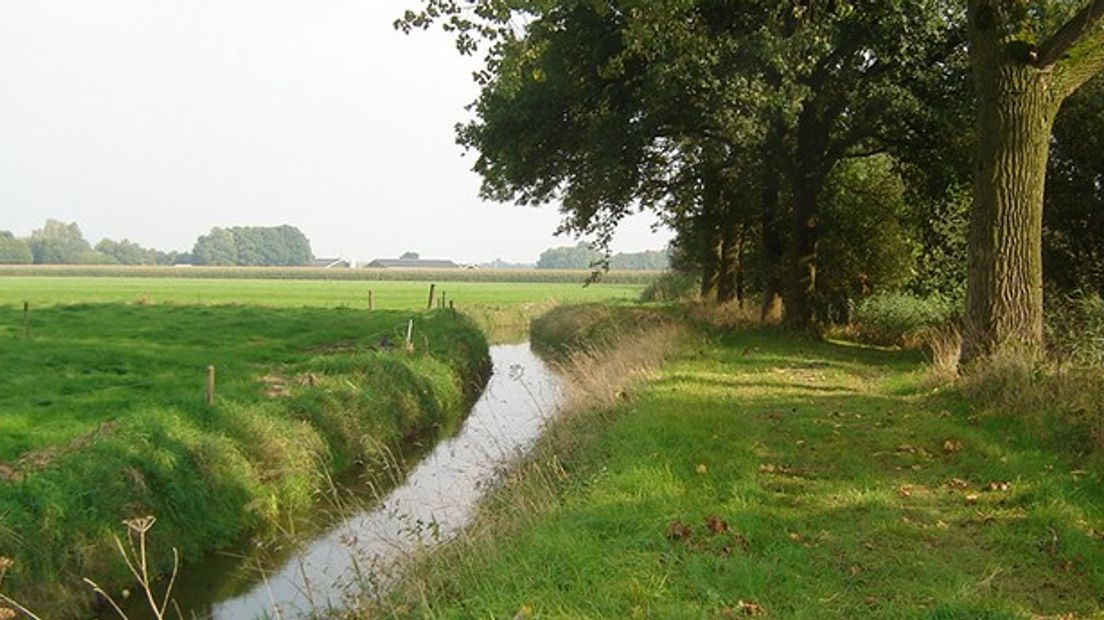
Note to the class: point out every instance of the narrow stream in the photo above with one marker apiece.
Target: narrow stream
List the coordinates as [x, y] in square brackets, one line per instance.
[433, 503]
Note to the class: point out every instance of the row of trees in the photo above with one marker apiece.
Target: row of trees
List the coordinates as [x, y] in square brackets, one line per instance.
[808, 150]
[61, 243]
[585, 256]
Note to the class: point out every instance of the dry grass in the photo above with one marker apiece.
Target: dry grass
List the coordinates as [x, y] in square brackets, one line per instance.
[944, 345]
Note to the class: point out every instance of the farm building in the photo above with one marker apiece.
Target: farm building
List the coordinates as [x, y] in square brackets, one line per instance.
[411, 263]
[331, 263]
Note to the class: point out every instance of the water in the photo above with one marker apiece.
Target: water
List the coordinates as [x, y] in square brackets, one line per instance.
[433, 503]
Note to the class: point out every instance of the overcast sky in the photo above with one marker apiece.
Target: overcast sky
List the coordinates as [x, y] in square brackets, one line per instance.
[155, 120]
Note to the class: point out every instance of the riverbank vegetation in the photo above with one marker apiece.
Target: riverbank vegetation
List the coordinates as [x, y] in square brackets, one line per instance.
[761, 472]
[104, 419]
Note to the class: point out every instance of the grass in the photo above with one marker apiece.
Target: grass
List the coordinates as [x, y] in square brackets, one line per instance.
[763, 473]
[104, 419]
[565, 276]
[389, 295]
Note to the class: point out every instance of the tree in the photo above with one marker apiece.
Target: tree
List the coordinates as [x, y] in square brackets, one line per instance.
[253, 246]
[1025, 64]
[60, 243]
[219, 247]
[14, 251]
[127, 252]
[410, 256]
[1073, 217]
[579, 256]
[646, 260]
[866, 247]
[693, 109]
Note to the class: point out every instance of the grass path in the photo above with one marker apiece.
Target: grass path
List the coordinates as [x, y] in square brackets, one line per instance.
[761, 474]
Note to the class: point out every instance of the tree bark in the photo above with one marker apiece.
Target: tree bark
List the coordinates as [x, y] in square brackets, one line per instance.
[730, 261]
[1017, 104]
[710, 264]
[808, 173]
[774, 247]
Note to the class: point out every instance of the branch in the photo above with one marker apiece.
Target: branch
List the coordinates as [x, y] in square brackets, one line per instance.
[1071, 34]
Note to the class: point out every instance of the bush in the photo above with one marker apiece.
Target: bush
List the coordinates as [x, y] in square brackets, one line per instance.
[901, 318]
[1075, 329]
[671, 286]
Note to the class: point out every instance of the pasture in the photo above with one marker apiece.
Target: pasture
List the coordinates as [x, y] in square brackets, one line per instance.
[388, 295]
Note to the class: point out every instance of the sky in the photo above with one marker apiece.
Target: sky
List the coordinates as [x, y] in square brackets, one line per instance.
[155, 120]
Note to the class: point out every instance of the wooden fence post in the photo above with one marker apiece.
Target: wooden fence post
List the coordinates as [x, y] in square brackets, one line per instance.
[371, 299]
[210, 385]
[432, 288]
[27, 320]
[409, 331]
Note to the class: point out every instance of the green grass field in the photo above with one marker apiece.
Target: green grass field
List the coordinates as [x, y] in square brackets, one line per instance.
[392, 295]
[102, 418]
[764, 474]
[102, 413]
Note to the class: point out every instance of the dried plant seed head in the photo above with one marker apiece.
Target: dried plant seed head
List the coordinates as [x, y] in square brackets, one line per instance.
[140, 525]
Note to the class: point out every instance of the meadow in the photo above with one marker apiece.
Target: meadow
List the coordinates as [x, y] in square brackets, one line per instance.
[763, 473]
[104, 415]
[360, 274]
[387, 295]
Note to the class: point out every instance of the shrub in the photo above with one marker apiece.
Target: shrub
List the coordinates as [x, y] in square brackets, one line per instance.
[901, 318]
[671, 286]
[1075, 329]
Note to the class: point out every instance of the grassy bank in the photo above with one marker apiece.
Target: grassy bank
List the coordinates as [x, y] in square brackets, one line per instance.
[102, 418]
[765, 474]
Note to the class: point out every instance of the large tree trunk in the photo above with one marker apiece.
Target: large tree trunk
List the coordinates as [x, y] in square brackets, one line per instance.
[730, 260]
[1016, 110]
[774, 249]
[808, 177]
[799, 304]
[711, 266]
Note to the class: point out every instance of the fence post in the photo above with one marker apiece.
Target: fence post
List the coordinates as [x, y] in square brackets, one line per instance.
[409, 331]
[371, 299]
[27, 320]
[432, 288]
[210, 385]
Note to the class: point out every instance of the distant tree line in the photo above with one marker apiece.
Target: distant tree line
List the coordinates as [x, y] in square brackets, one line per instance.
[61, 243]
[586, 256]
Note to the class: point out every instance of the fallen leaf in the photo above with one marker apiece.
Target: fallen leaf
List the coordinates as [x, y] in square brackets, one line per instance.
[526, 611]
[905, 490]
[951, 446]
[958, 483]
[678, 530]
[998, 486]
[715, 524]
[701, 469]
[747, 608]
[972, 498]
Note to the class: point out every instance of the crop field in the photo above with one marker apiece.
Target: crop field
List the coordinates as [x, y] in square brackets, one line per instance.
[560, 276]
[388, 295]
